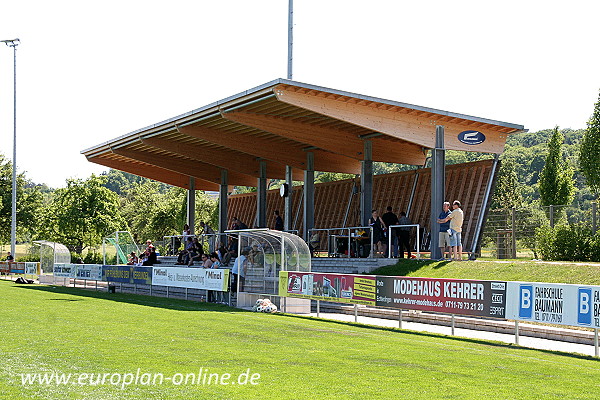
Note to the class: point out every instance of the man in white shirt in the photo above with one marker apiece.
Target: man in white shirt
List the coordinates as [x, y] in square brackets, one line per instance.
[456, 218]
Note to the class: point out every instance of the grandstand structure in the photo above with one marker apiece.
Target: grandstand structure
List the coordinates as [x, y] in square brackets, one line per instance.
[288, 130]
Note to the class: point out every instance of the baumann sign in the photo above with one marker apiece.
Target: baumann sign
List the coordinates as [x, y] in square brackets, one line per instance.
[471, 137]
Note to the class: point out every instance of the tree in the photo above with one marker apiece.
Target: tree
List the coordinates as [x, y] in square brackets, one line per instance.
[589, 153]
[556, 180]
[29, 203]
[120, 182]
[508, 191]
[83, 213]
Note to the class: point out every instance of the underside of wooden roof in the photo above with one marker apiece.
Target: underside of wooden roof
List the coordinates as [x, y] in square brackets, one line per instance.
[278, 123]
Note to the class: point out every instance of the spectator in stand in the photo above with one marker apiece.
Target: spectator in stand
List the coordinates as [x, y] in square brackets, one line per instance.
[152, 259]
[404, 235]
[221, 251]
[149, 244]
[184, 255]
[132, 259]
[227, 257]
[444, 228]
[206, 262]
[9, 257]
[239, 270]
[206, 229]
[278, 221]
[214, 257]
[237, 224]
[379, 234]
[456, 218]
[196, 252]
[186, 231]
[389, 218]
[210, 232]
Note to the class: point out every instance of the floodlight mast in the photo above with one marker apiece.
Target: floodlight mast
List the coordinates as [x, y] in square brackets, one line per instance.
[13, 225]
[290, 37]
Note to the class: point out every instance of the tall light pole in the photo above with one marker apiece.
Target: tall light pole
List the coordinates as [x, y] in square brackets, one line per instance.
[13, 225]
[290, 37]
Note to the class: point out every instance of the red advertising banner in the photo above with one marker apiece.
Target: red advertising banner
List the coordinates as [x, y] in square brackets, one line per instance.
[452, 296]
[339, 288]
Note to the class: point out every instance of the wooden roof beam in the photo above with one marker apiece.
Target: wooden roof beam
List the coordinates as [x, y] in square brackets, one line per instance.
[155, 173]
[270, 150]
[415, 129]
[187, 167]
[224, 158]
[330, 139]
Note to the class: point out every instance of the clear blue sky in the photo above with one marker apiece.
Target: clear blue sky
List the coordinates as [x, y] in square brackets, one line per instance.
[91, 71]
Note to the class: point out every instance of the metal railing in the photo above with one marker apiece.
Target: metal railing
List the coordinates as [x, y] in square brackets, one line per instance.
[207, 240]
[344, 234]
[418, 243]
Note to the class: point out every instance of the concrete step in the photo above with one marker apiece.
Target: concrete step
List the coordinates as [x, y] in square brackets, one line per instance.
[349, 265]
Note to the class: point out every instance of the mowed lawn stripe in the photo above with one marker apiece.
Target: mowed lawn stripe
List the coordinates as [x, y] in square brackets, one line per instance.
[75, 331]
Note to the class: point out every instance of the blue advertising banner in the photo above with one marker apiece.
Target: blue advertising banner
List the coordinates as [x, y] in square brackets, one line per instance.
[117, 273]
[127, 274]
[142, 275]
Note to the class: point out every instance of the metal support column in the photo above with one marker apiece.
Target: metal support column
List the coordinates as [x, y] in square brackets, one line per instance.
[438, 178]
[290, 37]
[261, 195]
[366, 183]
[191, 205]
[223, 203]
[309, 195]
[288, 201]
[486, 200]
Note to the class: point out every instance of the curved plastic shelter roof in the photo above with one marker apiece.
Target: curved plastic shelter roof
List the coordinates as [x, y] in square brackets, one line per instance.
[277, 123]
[266, 253]
[52, 253]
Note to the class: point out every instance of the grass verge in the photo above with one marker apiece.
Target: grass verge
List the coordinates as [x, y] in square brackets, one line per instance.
[528, 271]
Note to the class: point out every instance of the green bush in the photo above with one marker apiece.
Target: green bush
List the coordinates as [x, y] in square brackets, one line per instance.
[595, 244]
[29, 258]
[568, 243]
[93, 258]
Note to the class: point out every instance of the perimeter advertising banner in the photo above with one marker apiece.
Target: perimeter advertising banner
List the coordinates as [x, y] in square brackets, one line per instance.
[64, 270]
[127, 274]
[17, 268]
[32, 268]
[92, 272]
[562, 304]
[452, 296]
[191, 278]
[4, 267]
[338, 288]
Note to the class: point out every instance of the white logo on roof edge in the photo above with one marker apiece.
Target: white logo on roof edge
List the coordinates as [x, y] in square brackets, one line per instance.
[471, 137]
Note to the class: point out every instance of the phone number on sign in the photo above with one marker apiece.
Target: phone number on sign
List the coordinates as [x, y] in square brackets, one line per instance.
[464, 305]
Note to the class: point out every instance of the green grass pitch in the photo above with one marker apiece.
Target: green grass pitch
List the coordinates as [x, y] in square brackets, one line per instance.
[72, 331]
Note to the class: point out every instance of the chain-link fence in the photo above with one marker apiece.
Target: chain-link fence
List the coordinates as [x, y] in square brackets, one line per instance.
[511, 233]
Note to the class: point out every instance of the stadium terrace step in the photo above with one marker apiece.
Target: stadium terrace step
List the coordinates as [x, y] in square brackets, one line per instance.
[349, 265]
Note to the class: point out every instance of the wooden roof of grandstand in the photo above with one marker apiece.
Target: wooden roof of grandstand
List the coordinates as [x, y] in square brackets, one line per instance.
[280, 121]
